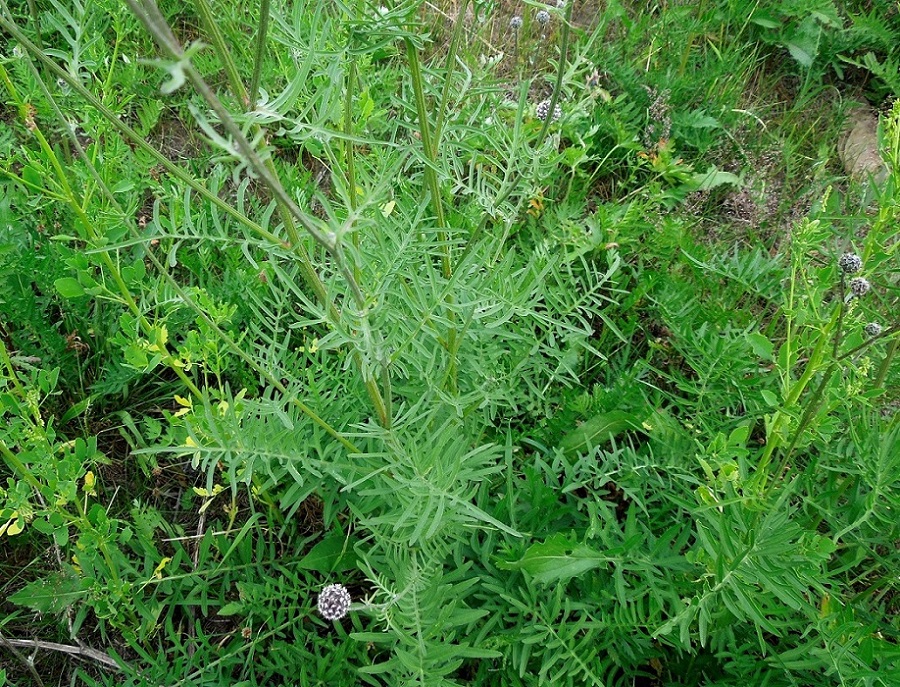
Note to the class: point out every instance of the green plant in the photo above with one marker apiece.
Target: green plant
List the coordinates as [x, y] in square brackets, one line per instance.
[374, 321]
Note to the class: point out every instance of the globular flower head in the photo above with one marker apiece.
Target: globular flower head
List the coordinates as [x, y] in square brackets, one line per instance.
[543, 17]
[515, 23]
[873, 329]
[543, 109]
[859, 286]
[334, 602]
[561, 4]
[850, 263]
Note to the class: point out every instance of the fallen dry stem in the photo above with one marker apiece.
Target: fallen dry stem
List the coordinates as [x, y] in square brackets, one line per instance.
[82, 651]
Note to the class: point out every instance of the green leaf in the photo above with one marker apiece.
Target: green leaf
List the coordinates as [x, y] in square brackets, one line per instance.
[77, 409]
[61, 536]
[50, 595]
[765, 20]
[698, 119]
[599, 429]
[123, 186]
[770, 398]
[761, 345]
[711, 178]
[69, 287]
[136, 356]
[803, 54]
[556, 559]
[42, 526]
[33, 176]
[231, 608]
[329, 555]
[803, 44]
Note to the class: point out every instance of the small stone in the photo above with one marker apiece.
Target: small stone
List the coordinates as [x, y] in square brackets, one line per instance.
[859, 150]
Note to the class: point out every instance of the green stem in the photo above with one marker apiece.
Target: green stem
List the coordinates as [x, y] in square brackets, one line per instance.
[557, 87]
[448, 72]
[815, 401]
[794, 394]
[36, 20]
[381, 397]
[18, 467]
[261, 33]
[812, 407]
[890, 331]
[13, 377]
[431, 181]
[841, 307]
[218, 42]
[349, 152]
[881, 376]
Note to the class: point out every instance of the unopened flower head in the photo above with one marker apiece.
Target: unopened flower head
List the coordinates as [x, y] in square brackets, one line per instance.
[543, 109]
[334, 602]
[561, 4]
[859, 286]
[850, 263]
[873, 329]
[515, 23]
[543, 17]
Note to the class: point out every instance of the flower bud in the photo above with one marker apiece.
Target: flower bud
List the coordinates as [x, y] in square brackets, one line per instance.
[334, 602]
[543, 109]
[850, 263]
[873, 329]
[859, 286]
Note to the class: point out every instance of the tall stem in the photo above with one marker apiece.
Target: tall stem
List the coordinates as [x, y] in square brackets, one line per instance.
[428, 147]
[349, 152]
[793, 395]
[218, 41]
[261, 32]
[557, 87]
[431, 181]
[448, 72]
[885, 365]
